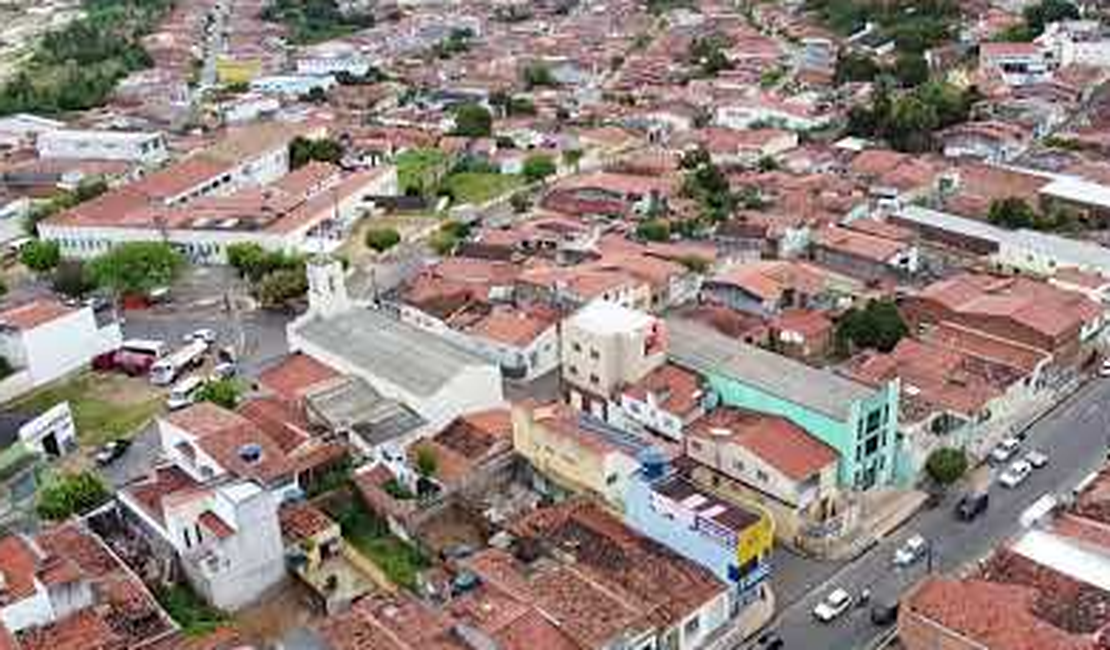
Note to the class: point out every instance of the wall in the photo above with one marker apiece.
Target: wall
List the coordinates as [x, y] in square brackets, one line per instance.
[843, 436]
[147, 148]
[66, 344]
[738, 463]
[27, 612]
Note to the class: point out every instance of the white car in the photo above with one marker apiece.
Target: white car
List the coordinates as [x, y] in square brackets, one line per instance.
[835, 604]
[1016, 474]
[205, 334]
[911, 551]
[1036, 458]
[1104, 369]
[1005, 450]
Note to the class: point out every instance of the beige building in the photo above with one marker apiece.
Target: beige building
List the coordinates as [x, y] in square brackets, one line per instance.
[765, 459]
[605, 347]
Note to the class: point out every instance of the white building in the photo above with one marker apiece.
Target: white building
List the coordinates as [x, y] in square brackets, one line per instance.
[291, 85]
[226, 535]
[331, 59]
[1078, 42]
[434, 378]
[213, 199]
[606, 346]
[51, 433]
[129, 146]
[45, 340]
[796, 115]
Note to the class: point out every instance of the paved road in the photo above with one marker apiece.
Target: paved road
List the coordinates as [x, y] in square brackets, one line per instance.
[1075, 435]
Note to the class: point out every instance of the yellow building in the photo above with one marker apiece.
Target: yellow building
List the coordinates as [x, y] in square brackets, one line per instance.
[572, 452]
[234, 72]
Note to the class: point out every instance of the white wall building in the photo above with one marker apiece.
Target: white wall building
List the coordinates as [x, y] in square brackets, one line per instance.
[129, 146]
[45, 340]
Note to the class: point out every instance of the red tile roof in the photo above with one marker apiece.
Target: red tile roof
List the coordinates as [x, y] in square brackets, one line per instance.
[779, 442]
[18, 563]
[296, 376]
[214, 524]
[675, 389]
[30, 315]
[301, 521]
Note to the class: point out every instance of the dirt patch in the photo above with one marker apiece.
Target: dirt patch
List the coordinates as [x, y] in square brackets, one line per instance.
[287, 608]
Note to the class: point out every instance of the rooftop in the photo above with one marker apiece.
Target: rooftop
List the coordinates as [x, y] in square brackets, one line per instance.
[417, 361]
[777, 441]
[703, 349]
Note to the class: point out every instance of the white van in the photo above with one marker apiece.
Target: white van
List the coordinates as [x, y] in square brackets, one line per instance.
[184, 393]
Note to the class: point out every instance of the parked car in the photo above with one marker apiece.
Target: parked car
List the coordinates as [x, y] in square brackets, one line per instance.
[972, 505]
[206, 334]
[184, 393]
[1036, 458]
[770, 641]
[1104, 369]
[225, 370]
[836, 603]
[110, 451]
[912, 550]
[1005, 450]
[884, 614]
[1016, 474]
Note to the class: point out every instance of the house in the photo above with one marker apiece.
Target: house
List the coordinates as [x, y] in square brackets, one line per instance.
[992, 141]
[291, 85]
[604, 347]
[148, 149]
[471, 452]
[1017, 64]
[315, 552]
[1027, 311]
[956, 385]
[731, 540]
[332, 58]
[1052, 581]
[65, 590]
[804, 334]
[766, 288]
[575, 453]
[44, 340]
[745, 148]
[225, 535]
[432, 377]
[863, 255]
[858, 421]
[754, 458]
[51, 433]
[664, 402]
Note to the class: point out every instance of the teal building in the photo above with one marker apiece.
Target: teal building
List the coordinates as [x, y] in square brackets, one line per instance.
[859, 421]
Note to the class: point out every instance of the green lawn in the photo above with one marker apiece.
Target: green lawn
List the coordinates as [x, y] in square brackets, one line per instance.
[195, 617]
[105, 407]
[400, 561]
[477, 187]
[418, 170]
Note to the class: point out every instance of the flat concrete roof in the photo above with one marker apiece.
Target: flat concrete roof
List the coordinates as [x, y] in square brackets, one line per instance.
[420, 362]
[705, 350]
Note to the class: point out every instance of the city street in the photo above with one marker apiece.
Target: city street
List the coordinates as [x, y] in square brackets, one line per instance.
[1075, 437]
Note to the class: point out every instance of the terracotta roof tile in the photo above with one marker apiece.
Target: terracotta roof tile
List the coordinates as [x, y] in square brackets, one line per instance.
[776, 440]
[296, 376]
[30, 315]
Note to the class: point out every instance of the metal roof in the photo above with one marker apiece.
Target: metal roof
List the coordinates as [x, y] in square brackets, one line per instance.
[705, 350]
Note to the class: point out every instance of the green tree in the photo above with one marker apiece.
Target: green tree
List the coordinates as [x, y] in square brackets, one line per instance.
[851, 66]
[911, 69]
[946, 465]
[277, 289]
[877, 326]
[426, 462]
[572, 158]
[136, 267]
[303, 151]
[41, 256]
[382, 239]
[473, 121]
[537, 75]
[1012, 212]
[655, 230]
[1039, 15]
[71, 279]
[222, 392]
[538, 167]
[911, 124]
[72, 493]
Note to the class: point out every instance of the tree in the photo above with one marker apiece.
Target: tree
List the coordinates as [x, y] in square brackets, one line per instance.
[248, 259]
[520, 202]
[538, 167]
[851, 66]
[877, 326]
[572, 158]
[279, 288]
[1038, 16]
[911, 124]
[70, 494]
[911, 69]
[946, 465]
[40, 256]
[71, 279]
[222, 392]
[473, 121]
[382, 239]
[426, 462]
[1012, 212]
[136, 267]
[655, 230]
[536, 75]
[303, 151]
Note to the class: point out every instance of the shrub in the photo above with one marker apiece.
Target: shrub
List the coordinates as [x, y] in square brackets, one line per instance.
[70, 494]
[538, 167]
[946, 465]
[382, 239]
[41, 256]
[222, 392]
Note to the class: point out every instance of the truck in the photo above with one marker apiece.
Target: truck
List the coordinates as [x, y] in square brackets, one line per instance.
[134, 357]
[166, 370]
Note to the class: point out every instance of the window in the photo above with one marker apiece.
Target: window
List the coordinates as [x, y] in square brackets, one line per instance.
[594, 379]
[872, 445]
[762, 476]
[738, 465]
[611, 479]
[576, 346]
[692, 626]
[594, 354]
[873, 420]
[572, 369]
